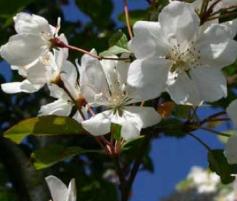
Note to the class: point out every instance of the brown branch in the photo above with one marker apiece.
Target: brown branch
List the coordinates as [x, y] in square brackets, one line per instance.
[29, 184]
[58, 43]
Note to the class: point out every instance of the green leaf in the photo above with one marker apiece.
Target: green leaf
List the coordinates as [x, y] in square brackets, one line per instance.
[173, 127]
[44, 126]
[218, 163]
[119, 39]
[134, 15]
[182, 111]
[114, 51]
[118, 44]
[134, 144]
[148, 164]
[116, 131]
[48, 156]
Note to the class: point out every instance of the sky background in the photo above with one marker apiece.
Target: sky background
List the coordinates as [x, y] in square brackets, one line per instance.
[172, 157]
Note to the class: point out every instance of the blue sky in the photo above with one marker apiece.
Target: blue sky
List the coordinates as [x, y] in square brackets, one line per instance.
[172, 157]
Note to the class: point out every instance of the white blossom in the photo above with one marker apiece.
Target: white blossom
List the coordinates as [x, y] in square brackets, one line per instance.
[68, 95]
[45, 70]
[203, 180]
[106, 86]
[177, 56]
[230, 26]
[59, 191]
[231, 145]
[32, 41]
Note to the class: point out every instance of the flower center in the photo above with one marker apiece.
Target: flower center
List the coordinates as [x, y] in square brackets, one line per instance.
[118, 96]
[183, 58]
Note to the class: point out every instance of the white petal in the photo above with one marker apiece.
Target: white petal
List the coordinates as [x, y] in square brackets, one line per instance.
[231, 150]
[77, 116]
[179, 21]
[21, 70]
[31, 24]
[57, 188]
[99, 124]
[23, 49]
[146, 41]
[72, 193]
[69, 76]
[134, 119]
[148, 76]
[231, 27]
[122, 70]
[92, 78]
[38, 73]
[108, 66]
[184, 90]
[17, 87]
[59, 107]
[130, 125]
[210, 82]
[216, 48]
[148, 116]
[57, 92]
[232, 112]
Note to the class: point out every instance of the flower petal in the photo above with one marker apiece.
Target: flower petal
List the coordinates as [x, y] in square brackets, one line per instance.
[23, 49]
[179, 21]
[231, 27]
[31, 24]
[217, 49]
[92, 78]
[72, 191]
[99, 124]
[17, 87]
[59, 107]
[131, 125]
[146, 41]
[148, 76]
[38, 73]
[231, 150]
[148, 116]
[232, 112]
[57, 92]
[57, 188]
[211, 83]
[134, 119]
[184, 90]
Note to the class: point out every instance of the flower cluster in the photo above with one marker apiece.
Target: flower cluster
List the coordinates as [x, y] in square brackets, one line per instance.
[181, 54]
[201, 184]
[177, 54]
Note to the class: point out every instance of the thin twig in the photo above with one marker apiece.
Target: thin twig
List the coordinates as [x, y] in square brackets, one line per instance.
[213, 116]
[126, 11]
[122, 179]
[215, 132]
[58, 43]
[200, 141]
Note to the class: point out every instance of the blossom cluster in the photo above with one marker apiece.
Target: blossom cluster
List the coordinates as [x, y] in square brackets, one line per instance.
[182, 54]
[202, 184]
